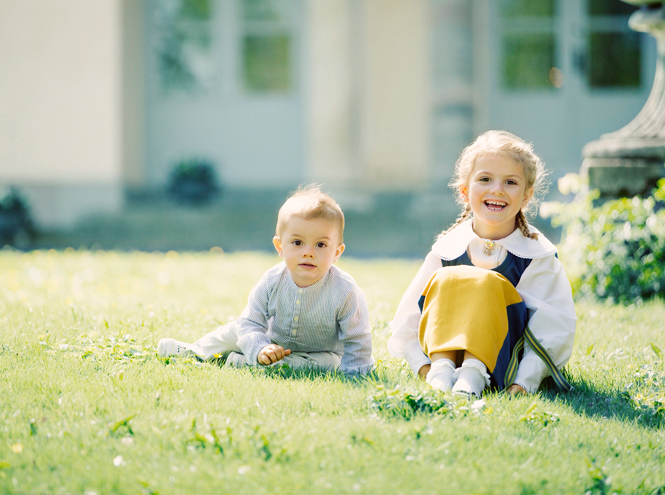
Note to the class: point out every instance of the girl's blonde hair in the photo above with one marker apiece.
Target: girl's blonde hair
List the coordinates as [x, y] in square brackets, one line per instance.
[506, 144]
[309, 202]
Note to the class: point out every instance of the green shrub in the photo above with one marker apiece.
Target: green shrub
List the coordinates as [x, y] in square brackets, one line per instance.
[615, 250]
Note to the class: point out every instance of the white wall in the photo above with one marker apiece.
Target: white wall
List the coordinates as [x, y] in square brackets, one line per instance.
[368, 93]
[334, 57]
[60, 92]
[396, 96]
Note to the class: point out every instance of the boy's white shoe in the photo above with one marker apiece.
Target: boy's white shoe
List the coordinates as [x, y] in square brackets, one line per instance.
[236, 360]
[472, 378]
[172, 347]
[441, 375]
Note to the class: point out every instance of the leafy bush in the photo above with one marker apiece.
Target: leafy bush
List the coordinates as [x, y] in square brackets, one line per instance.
[16, 226]
[615, 250]
[194, 181]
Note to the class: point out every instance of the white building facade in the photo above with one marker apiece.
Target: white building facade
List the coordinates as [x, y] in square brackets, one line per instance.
[100, 98]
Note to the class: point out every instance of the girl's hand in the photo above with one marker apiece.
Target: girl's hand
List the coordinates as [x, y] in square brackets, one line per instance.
[516, 389]
[422, 372]
[272, 353]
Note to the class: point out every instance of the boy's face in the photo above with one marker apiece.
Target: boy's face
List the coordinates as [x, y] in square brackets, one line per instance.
[309, 248]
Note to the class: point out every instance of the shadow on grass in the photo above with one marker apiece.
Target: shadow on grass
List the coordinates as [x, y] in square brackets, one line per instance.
[305, 374]
[586, 398]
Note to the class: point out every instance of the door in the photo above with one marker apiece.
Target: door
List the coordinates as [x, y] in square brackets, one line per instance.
[224, 85]
[563, 72]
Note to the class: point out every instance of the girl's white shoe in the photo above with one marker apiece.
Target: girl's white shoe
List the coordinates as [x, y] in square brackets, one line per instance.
[441, 375]
[472, 378]
[172, 347]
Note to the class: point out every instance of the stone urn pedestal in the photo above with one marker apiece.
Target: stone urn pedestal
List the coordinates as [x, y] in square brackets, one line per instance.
[630, 161]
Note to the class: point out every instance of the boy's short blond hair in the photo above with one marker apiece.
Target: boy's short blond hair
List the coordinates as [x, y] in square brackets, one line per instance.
[309, 202]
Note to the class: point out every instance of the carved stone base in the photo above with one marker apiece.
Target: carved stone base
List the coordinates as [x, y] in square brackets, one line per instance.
[622, 177]
[631, 160]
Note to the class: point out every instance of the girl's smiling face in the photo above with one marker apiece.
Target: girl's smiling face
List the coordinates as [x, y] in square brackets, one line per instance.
[496, 191]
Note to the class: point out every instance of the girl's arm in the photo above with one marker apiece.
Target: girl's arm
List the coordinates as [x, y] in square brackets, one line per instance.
[548, 297]
[404, 342]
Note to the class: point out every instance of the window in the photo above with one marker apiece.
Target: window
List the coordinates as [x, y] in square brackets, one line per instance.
[599, 46]
[267, 45]
[528, 40]
[183, 43]
[614, 50]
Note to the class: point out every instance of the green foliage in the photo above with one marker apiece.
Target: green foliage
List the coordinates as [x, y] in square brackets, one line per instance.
[615, 250]
[122, 347]
[600, 482]
[646, 394]
[407, 403]
[535, 417]
[123, 423]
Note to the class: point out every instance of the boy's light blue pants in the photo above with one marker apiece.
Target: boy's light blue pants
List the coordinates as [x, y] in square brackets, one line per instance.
[223, 343]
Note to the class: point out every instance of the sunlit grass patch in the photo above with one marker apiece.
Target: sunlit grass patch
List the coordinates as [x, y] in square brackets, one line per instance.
[88, 406]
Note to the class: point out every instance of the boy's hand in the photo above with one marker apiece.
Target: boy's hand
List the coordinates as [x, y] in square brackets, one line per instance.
[271, 354]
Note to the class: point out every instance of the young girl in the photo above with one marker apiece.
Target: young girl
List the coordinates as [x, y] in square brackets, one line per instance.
[491, 296]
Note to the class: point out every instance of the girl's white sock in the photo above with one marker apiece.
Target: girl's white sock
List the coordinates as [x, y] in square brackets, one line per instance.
[441, 373]
[472, 377]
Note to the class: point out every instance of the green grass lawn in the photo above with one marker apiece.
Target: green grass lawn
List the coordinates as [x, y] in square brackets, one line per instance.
[87, 406]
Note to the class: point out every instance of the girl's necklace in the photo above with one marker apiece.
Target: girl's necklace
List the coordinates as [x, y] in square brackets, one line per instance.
[488, 247]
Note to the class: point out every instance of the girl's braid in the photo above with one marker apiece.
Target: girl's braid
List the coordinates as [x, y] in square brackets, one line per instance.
[461, 219]
[520, 220]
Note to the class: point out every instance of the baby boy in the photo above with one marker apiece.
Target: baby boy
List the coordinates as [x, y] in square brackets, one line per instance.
[305, 311]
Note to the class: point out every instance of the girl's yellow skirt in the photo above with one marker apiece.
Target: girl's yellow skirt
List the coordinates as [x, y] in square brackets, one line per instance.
[466, 308]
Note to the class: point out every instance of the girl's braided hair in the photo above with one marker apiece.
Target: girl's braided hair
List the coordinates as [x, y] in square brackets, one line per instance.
[506, 144]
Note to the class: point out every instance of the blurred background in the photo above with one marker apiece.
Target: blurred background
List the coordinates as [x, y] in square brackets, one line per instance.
[183, 124]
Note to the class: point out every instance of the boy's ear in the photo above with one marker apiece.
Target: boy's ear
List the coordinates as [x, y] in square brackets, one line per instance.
[338, 252]
[277, 242]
